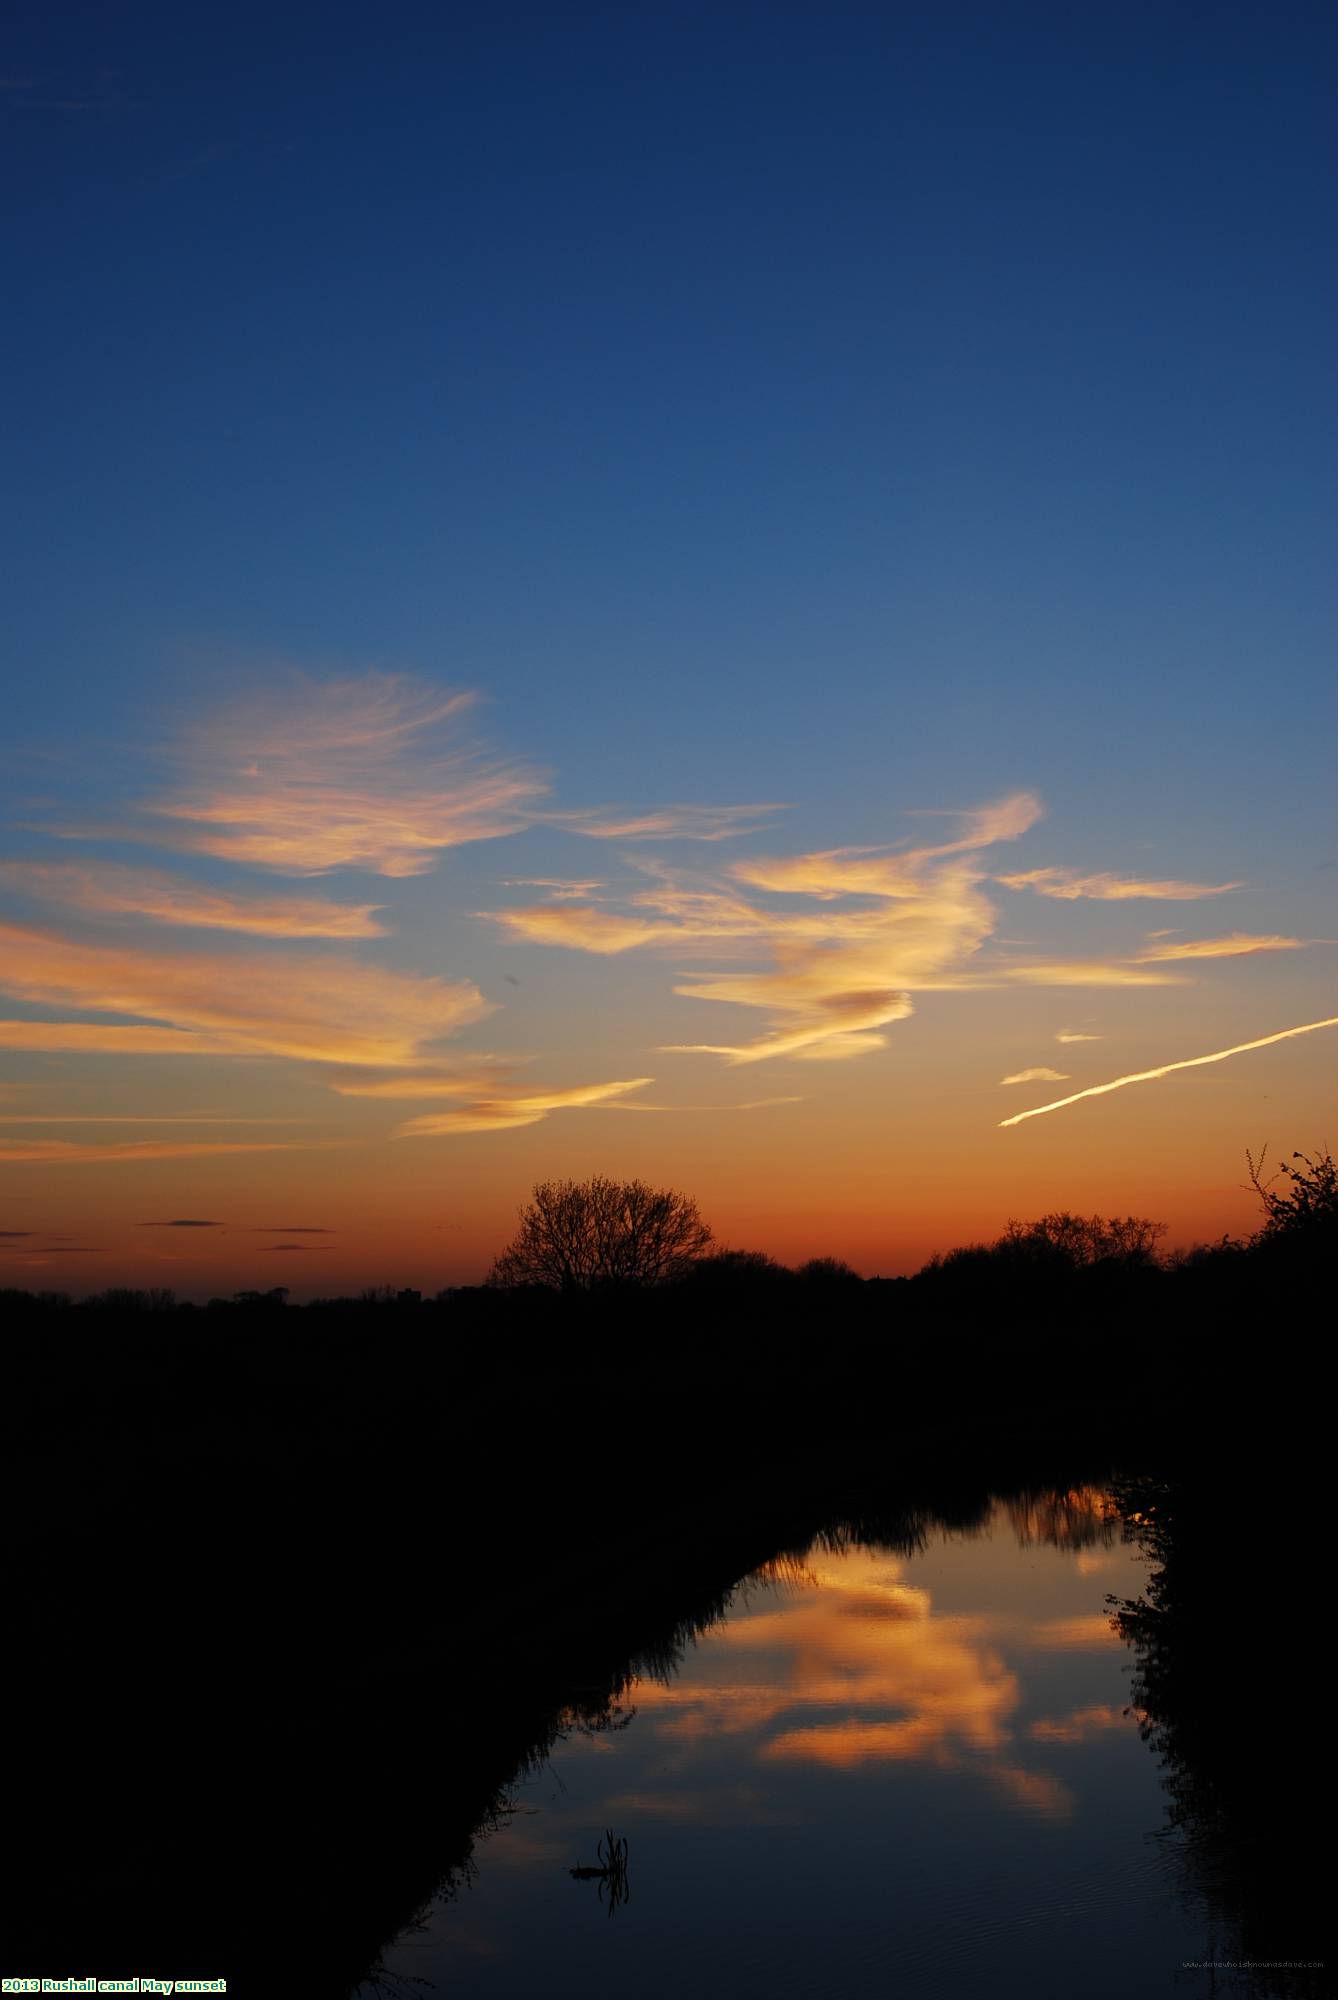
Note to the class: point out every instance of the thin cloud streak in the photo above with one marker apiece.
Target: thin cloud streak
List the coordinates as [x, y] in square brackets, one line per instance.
[317, 1010]
[1150, 1075]
[493, 1086]
[1068, 885]
[1236, 945]
[1088, 972]
[93, 1038]
[504, 1113]
[134, 1118]
[1035, 1076]
[747, 1104]
[106, 889]
[484, 1080]
[684, 822]
[69, 1152]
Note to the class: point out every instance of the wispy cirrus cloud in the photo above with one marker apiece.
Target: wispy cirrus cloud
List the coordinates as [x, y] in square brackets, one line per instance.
[317, 1010]
[881, 871]
[481, 1076]
[1041, 1075]
[1068, 885]
[374, 771]
[72, 1152]
[684, 822]
[133, 1118]
[488, 1098]
[107, 889]
[1236, 945]
[99, 1038]
[561, 888]
[860, 930]
[581, 927]
[505, 1111]
[1067, 1035]
[371, 771]
[1088, 972]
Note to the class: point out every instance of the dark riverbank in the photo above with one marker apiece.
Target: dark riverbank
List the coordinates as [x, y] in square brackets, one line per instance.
[298, 1591]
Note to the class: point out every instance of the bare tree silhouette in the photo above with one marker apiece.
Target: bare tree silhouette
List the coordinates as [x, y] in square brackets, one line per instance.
[576, 1236]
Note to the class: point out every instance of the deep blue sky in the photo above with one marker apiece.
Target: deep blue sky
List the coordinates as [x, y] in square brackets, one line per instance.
[945, 388]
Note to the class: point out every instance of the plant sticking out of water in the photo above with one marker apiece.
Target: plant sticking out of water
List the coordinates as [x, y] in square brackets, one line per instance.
[611, 1872]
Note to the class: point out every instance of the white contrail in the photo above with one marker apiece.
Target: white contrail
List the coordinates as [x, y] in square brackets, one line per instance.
[1190, 1062]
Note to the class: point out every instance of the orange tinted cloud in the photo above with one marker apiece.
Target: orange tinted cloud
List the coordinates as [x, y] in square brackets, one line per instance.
[364, 772]
[105, 889]
[72, 1152]
[709, 823]
[1236, 945]
[836, 975]
[1087, 972]
[506, 1111]
[481, 1077]
[487, 1081]
[872, 871]
[579, 926]
[828, 1026]
[96, 1038]
[1035, 1076]
[1068, 885]
[315, 1009]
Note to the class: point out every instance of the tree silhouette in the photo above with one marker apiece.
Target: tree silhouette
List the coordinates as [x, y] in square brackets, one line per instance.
[576, 1236]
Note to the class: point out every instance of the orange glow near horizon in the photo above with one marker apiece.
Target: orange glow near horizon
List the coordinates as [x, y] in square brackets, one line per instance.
[401, 1038]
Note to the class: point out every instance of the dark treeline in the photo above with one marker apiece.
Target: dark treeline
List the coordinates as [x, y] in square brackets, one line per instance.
[622, 1237]
[294, 1592]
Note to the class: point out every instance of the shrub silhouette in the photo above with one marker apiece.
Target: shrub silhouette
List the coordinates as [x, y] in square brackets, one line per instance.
[828, 1271]
[1305, 1217]
[580, 1236]
[1055, 1245]
[1080, 1240]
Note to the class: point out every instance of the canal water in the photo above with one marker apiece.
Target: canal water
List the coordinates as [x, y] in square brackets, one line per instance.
[888, 1771]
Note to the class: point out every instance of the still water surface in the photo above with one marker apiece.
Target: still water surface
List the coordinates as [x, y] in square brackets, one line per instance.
[883, 1772]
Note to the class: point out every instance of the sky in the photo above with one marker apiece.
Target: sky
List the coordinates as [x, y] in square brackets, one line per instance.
[732, 595]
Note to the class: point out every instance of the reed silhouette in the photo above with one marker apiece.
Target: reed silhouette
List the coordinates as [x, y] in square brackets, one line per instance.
[610, 1871]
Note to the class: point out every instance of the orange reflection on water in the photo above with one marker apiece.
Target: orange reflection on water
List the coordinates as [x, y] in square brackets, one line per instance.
[855, 1667]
